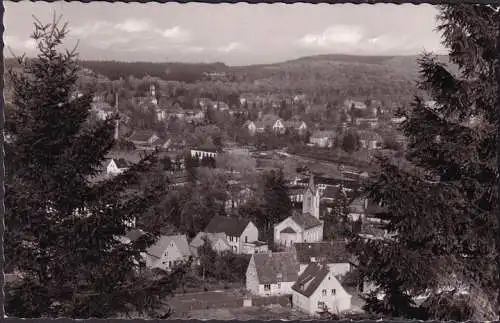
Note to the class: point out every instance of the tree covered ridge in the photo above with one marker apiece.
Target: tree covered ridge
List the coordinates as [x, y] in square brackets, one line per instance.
[62, 229]
[445, 229]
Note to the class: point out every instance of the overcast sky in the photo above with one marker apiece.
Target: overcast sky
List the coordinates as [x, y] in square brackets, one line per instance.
[235, 34]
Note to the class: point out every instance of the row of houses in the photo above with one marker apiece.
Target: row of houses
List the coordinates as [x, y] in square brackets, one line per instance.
[307, 268]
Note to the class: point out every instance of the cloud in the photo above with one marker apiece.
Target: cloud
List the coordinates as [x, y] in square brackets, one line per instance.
[176, 34]
[90, 29]
[133, 26]
[333, 36]
[229, 47]
[194, 49]
[17, 44]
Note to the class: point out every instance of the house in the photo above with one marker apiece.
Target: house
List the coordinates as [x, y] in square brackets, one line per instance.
[322, 139]
[333, 253]
[194, 115]
[115, 166]
[317, 290]
[270, 122]
[163, 144]
[302, 227]
[349, 104]
[370, 140]
[371, 122]
[221, 106]
[143, 138]
[251, 127]
[296, 125]
[102, 109]
[242, 234]
[270, 274]
[168, 252]
[218, 241]
[203, 152]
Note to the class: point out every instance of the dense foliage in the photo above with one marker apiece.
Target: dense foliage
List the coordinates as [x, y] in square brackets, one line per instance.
[61, 226]
[445, 228]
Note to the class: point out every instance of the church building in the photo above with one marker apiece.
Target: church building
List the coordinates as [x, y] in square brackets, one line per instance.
[302, 226]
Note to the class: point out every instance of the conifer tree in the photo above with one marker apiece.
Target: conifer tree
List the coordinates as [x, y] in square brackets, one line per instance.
[445, 227]
[61, 227]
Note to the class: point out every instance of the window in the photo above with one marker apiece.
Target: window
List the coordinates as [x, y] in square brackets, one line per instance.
[246, 239]
[278, 285]
[169, 264]
[267, 287]
[334, 292]
[323, 292]
[321, 305]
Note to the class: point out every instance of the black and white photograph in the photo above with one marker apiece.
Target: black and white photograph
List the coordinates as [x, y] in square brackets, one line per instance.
[251, 161]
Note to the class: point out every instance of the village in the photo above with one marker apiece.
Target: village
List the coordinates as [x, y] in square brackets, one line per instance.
[301, 271]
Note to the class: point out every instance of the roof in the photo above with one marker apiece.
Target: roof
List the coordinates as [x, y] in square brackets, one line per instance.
[306, 221]
[334, 252]
[121, 163]
[288, 230]
[198, 241]
[161, 245]
[134, 234]
[231, 226]
[294, 124]
[141, 135]
[276, 266]
[267, 120]
[333, 192]
[206, 149]
[310, 279]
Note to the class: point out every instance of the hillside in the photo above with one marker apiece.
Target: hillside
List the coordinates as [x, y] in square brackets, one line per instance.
[325, 78]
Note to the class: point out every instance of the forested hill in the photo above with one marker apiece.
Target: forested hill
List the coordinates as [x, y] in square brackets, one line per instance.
[322, 77]
[113, 70]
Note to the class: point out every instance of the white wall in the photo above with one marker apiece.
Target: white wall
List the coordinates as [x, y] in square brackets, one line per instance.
[251, 233]
[288, 222]
[339, 302]
[284, 288]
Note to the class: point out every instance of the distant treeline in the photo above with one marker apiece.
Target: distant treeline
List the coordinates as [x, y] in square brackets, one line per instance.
[183, 72]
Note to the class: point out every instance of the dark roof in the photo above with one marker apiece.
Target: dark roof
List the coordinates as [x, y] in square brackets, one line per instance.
[306, 220]
[267, 120]
[288, 230]
[310, 279]
[333, 192]
[231, 226]
[334, 252]
[134, 234]
[121, 163]
[207, 149]
[277, 266]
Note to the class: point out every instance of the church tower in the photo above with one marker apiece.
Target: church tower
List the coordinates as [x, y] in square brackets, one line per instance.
[117, 122]
[152, 89]
[311, 199]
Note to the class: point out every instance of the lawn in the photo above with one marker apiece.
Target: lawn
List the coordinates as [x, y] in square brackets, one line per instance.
[271, 312]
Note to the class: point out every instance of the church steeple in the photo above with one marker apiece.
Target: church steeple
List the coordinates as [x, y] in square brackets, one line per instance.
[311, 200]
[311, 182]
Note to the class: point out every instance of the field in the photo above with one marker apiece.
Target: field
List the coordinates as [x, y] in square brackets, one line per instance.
[271, 312]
